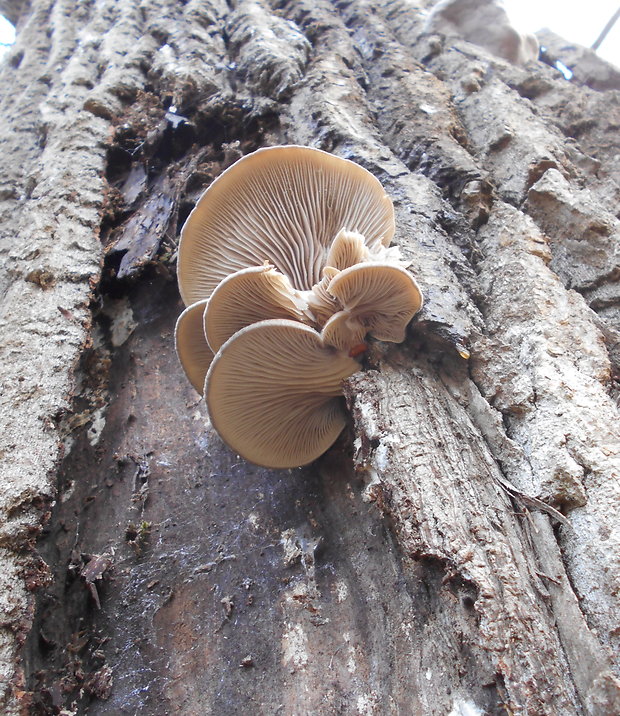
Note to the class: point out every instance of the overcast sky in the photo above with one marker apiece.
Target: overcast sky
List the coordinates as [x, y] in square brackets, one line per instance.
[7, 31]
[578, 22]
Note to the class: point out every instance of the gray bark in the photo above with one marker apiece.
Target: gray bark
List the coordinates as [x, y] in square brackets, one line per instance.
[458, 550]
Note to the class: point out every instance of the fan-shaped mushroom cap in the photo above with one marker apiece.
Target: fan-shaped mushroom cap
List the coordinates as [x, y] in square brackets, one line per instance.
[283, 205]
[344, 331]
[248, 296]
[347, 249]
[274, 393]
[191, 345]
[382, 297]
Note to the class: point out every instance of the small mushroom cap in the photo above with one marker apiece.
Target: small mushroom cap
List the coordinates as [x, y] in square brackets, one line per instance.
[347, 249]
[249, 296]
[274, 393]
[344, 331]
[283, 205]
[383, 297]
[191, 345]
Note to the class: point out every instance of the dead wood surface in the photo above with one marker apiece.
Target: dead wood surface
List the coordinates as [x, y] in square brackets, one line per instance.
[458, 550]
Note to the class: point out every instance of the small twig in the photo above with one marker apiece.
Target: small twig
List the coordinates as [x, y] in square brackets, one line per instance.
[546, 576]
[533, 502]
[331, 661]
[606, 29]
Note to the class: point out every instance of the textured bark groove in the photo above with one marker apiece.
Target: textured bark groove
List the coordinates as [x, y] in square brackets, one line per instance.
[457, 551]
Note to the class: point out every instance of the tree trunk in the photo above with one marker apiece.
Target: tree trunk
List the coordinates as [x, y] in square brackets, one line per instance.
[458, 550]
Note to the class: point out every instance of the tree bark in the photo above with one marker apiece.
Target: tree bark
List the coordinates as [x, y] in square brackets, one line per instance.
[458, 550]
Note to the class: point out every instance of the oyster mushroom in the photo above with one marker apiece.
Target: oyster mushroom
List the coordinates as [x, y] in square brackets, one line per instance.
[274, 393]
[379, 299]
[249, 296]
[284, 205]
[347, 249]
[286, 242]
[191, 345]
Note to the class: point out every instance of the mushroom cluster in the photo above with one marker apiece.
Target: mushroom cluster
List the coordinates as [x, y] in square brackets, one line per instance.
[284, 269]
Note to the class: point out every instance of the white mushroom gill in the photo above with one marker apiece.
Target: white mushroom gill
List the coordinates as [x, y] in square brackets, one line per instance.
[348, 248]
[283, 205]
[382, 297]
[274, 393]
[320, 302]
[248, 296]
[286, 265]
[344, 331]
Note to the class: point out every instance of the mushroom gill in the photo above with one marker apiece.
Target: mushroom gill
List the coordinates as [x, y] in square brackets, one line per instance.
[380, 299]
[248, 296]
[321, 303]
[344, 331]
[283, 205]
[348, 248]
[274, 393]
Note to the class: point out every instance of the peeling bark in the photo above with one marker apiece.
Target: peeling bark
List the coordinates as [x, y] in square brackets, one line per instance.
[457, 550]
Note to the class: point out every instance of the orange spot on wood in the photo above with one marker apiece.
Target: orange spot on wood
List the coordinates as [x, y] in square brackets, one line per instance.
[358, 350]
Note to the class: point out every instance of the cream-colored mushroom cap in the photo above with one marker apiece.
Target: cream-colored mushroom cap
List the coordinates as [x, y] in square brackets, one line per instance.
[283, 205]
[274, 393]
[383, 297]
[191, 345]
[344, 331]
[347, 249]
[249, 296]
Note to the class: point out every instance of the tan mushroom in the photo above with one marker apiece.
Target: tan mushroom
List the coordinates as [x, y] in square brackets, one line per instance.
[345, 331]
[274, 393]
[329, 272]
[284, 205]
[191, 345]
[320, 302]
[287, 240]
[248, 296]
[381, 298]
[347, 249]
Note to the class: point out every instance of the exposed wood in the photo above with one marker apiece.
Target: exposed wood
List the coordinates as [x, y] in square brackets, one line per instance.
[457, 551]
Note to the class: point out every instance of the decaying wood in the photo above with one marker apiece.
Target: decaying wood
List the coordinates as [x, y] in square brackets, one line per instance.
[458, 550]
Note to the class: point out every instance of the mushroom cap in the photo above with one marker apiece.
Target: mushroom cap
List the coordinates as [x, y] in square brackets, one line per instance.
[347, 249]
[344, 331]
[274, 393]
[191, 345]
[283, 205]
[248, 296]
[381, 296]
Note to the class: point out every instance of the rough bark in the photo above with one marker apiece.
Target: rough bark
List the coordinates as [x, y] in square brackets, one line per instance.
[458, 550]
